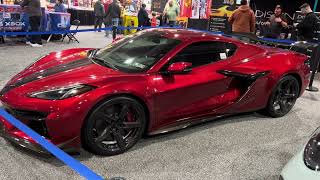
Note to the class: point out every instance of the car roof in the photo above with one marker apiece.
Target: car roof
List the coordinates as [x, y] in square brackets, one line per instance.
[185, 34]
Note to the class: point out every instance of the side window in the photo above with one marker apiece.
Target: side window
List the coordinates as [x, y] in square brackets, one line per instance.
[202, 53]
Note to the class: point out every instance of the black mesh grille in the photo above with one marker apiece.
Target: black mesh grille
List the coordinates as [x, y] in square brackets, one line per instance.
[39, 127]
[33, 119]
[28, 115]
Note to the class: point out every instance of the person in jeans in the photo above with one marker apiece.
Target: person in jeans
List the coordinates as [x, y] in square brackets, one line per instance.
[99, 14]
[33, 10]
[171, 12]
[114, 13]
[106, 19]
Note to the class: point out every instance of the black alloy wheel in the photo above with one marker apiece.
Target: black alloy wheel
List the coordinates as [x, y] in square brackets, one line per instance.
[114, 126]
[283, 97]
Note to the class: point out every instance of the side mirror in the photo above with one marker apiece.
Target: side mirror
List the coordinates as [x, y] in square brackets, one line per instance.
[179, 68]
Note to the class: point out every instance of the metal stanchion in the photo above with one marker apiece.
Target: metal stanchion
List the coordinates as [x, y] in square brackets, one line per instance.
[114, 32]
[314, 67]
[2, 39]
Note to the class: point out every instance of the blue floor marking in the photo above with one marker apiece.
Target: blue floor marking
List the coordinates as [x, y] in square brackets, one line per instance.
[64, 157]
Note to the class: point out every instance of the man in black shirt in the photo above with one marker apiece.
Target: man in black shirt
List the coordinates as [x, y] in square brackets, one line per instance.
[143, 17]
[307, 29]
[276, 22]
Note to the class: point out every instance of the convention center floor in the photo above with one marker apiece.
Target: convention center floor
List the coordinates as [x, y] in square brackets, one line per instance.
[247, 146]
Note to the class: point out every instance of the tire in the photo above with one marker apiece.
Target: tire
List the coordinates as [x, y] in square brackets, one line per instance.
[283, 97]
[114, 126]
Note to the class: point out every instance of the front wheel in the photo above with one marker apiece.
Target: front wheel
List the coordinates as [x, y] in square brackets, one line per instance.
[283, 97]
[114, 126]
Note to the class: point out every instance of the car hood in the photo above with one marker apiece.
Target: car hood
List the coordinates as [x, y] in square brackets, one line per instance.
[62, 69]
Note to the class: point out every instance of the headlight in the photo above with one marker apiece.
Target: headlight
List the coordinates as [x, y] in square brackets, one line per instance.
[312, 152]
[62, 93]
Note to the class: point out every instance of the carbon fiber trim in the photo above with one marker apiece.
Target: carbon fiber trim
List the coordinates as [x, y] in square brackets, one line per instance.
[46, 73]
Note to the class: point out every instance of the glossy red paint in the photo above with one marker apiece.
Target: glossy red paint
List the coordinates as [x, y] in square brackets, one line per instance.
[179, 67]
[171, 99]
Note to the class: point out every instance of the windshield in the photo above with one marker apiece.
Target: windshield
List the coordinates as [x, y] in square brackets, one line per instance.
[138, 53]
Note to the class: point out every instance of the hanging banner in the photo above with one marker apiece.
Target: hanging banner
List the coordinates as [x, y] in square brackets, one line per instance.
[205, 9]
[223, 8]
[11, 18]
[265, 9]
[186, 8]
[195, 9]
[58, 21]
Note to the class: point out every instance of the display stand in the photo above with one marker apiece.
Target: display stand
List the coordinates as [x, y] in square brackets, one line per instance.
[201, 24]
[130, 21]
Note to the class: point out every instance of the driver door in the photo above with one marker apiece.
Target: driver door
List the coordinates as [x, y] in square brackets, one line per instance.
[180, 97]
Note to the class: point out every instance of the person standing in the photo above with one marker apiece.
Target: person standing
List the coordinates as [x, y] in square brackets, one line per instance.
[143, 17]
[59, 7]
[243, 19]
[106, 19]
[154, 20]
[99, 14]
[33, 10]
[276, 23]
[308, 27]
[171, 12]
[114, 13]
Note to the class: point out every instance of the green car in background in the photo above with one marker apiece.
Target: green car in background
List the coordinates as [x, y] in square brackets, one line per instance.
[306, 164]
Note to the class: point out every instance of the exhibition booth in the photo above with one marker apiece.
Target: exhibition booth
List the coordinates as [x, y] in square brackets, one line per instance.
[209, 15]
[12, 18]
[222, 10]
[199, 14]
[156, 82]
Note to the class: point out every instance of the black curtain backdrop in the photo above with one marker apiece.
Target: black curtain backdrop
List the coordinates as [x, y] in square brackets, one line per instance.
[264, 9]
[289, 6]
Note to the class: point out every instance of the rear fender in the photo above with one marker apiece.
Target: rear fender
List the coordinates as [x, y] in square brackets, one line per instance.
[253, 84]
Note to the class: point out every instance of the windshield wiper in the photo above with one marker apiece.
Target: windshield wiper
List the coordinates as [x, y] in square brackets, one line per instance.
[92, 52]
[106, 63]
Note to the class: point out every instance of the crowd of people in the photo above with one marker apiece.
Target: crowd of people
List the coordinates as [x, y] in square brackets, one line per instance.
[110, 15]
[243, 20]
[107, 14]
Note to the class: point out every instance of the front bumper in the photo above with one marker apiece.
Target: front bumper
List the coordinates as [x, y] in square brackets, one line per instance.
[17, 137]
[297, 170]
[58, 121]
[13, 135]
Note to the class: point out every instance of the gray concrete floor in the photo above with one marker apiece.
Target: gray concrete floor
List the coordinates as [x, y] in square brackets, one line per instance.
[247, 146]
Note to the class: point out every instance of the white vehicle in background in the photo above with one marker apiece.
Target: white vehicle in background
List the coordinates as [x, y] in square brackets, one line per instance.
[306, 164]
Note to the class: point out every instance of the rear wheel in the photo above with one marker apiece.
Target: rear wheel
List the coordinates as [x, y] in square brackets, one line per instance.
[114, 126]
[283, 97]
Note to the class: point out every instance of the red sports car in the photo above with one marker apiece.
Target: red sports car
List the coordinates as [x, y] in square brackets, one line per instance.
[152, 82]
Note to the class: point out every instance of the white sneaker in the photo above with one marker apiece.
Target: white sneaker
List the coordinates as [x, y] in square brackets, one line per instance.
[29, 43]
[36, 45]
